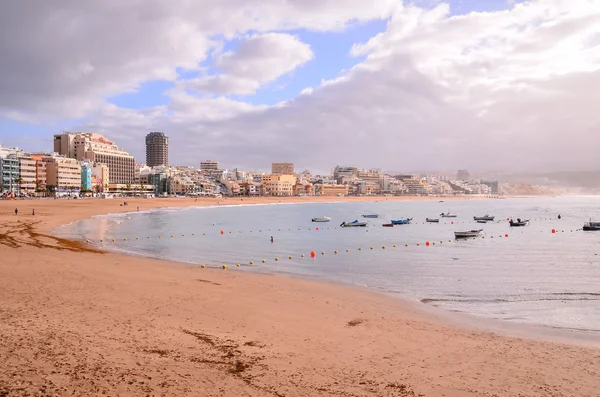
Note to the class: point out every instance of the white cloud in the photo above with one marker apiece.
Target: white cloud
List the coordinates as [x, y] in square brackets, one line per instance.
[513, 89]
[259, 59]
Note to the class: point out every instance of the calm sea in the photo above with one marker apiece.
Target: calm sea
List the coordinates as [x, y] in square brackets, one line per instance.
[533, 276]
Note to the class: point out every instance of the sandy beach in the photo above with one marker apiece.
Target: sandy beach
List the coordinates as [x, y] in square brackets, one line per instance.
[76, 321]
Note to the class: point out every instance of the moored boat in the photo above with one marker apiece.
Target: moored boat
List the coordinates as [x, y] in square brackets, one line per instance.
[591, 226]
[370, 215]
[519, 222]
[401, 221]
[321, 219]
[468, 234]
[448, 215]
[486, 217]
[481, 221]
[388, 225]
[432, 220]
[355, 223]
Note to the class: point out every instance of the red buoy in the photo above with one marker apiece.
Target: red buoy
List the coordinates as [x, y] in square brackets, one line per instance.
[506, 235]
[427, 243]
[313, 254]
[452, 223]
[317, 229]
[553, 230]
[222, 232]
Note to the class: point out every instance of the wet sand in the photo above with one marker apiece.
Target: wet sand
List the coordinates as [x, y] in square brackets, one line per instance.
[74, 321]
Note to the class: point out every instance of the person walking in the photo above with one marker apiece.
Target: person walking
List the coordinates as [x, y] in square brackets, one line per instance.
[16, 211]
[33, 212]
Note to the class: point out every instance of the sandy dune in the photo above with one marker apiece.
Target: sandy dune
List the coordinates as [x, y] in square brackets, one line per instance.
[78, 322]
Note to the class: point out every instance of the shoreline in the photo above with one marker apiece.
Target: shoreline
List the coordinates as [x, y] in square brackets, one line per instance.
[466, 320]
[76, 320]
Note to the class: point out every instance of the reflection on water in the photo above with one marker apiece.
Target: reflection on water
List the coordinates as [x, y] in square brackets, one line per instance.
[533, 276]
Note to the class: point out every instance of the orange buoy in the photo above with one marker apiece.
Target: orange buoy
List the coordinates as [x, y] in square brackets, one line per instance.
[427, 243]
[313, 254]
[506, 235]
[553, 230]
[452, 223]
[222, 232]
[317, 229]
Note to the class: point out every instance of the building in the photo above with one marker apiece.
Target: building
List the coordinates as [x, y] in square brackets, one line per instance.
[86, 177]
[96, 148]
[27, 175]
[157, 149]
[463, 175]
[40, 171]
[278, 185]
[282, 168]
[209, 165]
[9, 173]
[332, 190]
[63, 174]
[341, 173]
[493, 185]
[100, 177]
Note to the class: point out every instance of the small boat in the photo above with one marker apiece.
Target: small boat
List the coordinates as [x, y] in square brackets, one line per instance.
[481, 221]
[469, 234]
[388, 225]
[432, 220]
[321, 219]
[519, 222]
[486, 217]
[355, 223]
[370, 215]
[401, 221]
[448, 215]
[591, 226]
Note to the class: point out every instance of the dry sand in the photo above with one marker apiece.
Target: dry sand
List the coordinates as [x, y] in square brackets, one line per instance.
[78, 322]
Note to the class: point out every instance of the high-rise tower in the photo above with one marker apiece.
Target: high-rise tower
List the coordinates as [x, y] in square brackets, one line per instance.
[157, 149]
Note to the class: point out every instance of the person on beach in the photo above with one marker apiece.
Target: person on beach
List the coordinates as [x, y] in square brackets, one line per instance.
[33, 212]
[16, 211]
[272, 239]
[138, 208]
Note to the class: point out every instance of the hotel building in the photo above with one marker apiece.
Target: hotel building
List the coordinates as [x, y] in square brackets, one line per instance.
[63, 174]
[278, 185]
[96, 148]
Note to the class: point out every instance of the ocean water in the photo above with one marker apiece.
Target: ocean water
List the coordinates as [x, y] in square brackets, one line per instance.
[533, 276]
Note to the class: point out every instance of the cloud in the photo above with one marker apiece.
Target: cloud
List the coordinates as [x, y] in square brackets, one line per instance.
[259, 59]
[506, 90]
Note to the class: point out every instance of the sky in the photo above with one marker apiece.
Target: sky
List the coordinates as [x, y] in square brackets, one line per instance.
[486, 85]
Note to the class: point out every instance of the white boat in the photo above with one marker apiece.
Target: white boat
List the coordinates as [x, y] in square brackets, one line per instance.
[355, 223]
[448, 215]
[486, 217]
[468, 234]
[321, 219]
[591, 226]
[370, 215]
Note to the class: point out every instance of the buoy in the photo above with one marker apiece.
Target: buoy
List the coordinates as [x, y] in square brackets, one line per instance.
[302, 255]
[313, 254]
[230, 232]
[553, 230]
[204, 234]
[347, 250]
[224, 266]
[159, 236]
[252, 262]
[432, 243]
[260, 230]
[193, 234]
[317, 229]
[203, 266]
[394, 245]
[87, 241]
[290, 257]
[114, 240]
[506, 235]
[335, 252]
[125, 239]
[101, 241]
[417, 244]
[172, 235]
[276, 259]
[238, 265]
[323, 253]
[182, 235]
[222, 232]
[360, 249]
[452, 223]
[371, 247]
[264, 261]
[406, 245]
[449, 241]
[427, 243]
[383, 247]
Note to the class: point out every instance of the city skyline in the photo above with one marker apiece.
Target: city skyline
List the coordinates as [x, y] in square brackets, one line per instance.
[425, 85]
